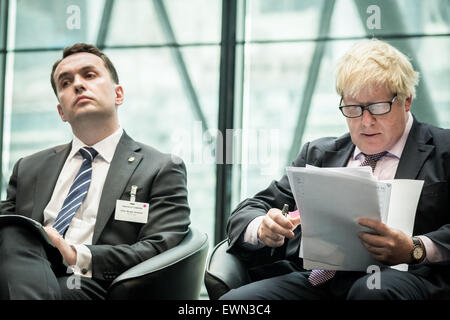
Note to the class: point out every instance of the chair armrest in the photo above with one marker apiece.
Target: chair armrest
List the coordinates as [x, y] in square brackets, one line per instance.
[172, 274]
[224, 271]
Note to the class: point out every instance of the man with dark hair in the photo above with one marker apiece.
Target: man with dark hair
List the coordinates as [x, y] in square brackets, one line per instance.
[77, 191]
[84, 47]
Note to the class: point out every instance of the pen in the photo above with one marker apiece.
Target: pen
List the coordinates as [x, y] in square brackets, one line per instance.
[284, 212]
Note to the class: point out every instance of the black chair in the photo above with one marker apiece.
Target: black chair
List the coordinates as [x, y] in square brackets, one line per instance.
[224, 271]
[175, 274]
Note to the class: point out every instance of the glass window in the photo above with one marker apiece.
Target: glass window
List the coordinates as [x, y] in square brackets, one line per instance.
[194, 21]
[2, 90]
[350, 27]
[400, 17]
[2, 57]
[435, 74]
[56, 23]
[143, 30]
[281, 19]
[274, 80]
[3, 25]
[428, 17]
[31, 119]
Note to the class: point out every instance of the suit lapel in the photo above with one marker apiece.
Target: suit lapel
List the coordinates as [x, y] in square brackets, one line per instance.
[339, 158]
[416, 151]
[119, 174]
[46, 180]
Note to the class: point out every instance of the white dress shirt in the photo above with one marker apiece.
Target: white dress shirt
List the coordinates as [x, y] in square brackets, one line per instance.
[81, 228]
[385, 169]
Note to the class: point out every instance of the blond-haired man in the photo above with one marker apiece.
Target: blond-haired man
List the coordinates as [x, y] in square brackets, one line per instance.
[376, 84]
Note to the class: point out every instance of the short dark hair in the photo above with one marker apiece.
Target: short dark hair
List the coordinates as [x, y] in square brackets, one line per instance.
[89, 48]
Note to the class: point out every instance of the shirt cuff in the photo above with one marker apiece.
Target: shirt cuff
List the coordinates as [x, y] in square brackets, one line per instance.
[433, 252]
[251, 240]
[83, 265]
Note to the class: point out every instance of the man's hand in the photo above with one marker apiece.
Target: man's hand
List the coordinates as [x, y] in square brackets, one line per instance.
[389, 246]
[68, 253]
[275, 227]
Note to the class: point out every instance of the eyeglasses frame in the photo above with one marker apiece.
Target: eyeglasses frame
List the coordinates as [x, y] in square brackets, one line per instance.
[366, 107]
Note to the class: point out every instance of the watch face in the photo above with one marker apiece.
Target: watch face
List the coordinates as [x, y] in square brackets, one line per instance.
[417, 253]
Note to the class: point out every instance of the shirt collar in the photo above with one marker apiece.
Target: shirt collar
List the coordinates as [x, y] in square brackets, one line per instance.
[105, 147]
[397, 148]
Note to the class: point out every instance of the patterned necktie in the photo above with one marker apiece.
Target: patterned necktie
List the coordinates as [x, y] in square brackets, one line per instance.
[372, 159]
[77, 191]
[320, 276]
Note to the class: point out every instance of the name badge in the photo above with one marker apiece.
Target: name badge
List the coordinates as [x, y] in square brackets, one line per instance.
[131, 211]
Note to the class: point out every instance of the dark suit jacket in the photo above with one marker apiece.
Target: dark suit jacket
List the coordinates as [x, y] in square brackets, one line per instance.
[116, 245]
[426, 156]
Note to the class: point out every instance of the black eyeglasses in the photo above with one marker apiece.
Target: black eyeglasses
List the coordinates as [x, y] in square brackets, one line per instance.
[377, 108]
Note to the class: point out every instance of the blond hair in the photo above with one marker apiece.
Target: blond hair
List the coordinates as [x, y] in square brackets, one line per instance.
[374, 63]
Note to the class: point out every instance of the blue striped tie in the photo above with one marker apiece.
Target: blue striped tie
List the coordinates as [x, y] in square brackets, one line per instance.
[77, 191]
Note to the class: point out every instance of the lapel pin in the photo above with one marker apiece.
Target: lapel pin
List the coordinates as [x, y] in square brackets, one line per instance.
[130, 159]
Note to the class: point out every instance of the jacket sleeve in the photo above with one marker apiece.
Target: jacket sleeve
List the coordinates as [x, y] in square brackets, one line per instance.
[8, 206]
[274, 196]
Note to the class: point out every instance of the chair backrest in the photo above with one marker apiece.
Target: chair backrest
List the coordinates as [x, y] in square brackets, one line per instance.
[173, 274]
[224, 271]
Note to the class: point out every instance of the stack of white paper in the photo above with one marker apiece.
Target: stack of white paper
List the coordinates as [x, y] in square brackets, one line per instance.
[331, 200]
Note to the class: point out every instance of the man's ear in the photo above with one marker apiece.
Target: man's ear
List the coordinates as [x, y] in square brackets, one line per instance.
[408, 102]
[61, 113]
[119, 95]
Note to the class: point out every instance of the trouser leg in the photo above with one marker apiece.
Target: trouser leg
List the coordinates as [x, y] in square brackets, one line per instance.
[393, 285]
[76, 287]
[25, 271]
[291, 286]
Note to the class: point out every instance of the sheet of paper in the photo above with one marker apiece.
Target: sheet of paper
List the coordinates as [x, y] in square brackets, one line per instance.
[362, 172]
[402, 207]
[329, 228]
[404, 200]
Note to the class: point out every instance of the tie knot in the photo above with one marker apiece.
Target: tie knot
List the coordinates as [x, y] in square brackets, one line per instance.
[372, 159]
[88, 153]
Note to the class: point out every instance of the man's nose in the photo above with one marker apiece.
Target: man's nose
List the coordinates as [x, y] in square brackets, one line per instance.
[78, 84]
[367, 119]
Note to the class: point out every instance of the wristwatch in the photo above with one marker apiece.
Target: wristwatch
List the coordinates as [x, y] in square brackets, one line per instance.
[418, 252]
